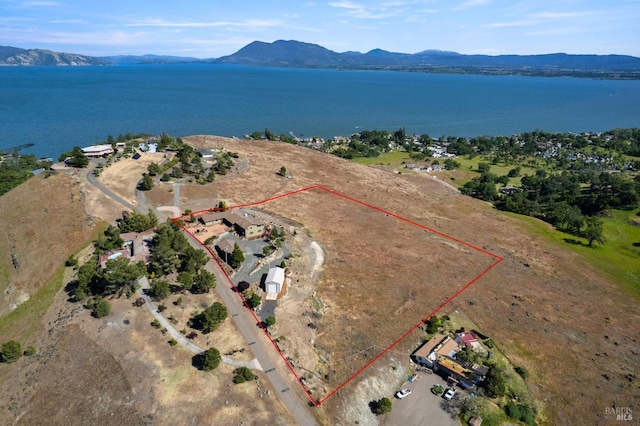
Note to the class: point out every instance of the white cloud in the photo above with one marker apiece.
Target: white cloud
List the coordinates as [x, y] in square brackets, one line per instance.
[473, 3]
[369, 12]
[559, 15]
[512, 24]
[38, 3]
[250, 23]
[555, 31]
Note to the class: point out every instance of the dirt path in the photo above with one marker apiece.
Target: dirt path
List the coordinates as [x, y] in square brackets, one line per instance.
[254, 364]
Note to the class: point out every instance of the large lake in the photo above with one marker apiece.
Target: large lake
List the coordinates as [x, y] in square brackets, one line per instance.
[59, 107]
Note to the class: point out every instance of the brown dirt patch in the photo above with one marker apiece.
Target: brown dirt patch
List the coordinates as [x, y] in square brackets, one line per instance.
[122, 176]
[161, 194]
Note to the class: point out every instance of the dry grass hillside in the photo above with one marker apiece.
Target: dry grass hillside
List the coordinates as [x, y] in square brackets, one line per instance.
[548, 310]
[546, 307]
[43, 222]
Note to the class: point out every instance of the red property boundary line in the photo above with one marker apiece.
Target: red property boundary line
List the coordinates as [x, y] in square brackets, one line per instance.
[315, 402]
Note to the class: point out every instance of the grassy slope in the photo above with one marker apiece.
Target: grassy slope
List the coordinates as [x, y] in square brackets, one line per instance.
[618, 258]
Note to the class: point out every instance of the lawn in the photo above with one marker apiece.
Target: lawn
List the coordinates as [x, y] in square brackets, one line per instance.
[618, 257]
[386, 159]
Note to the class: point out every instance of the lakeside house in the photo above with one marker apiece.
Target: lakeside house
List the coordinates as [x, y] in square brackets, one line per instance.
[98, 150]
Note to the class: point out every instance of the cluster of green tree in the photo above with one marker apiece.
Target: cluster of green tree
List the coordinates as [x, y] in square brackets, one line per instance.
[171, 252]
[210, 318]
[571, 200]
[187, 162]
[138, 222]
[271, 136]
[16, 169]
[434, 323]
[74, 158]
[120, 275]
[558, 149]
[12, 351]
[368, 143]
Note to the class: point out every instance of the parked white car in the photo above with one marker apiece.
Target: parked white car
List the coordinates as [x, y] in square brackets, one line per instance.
[449, 394]
[403, 393]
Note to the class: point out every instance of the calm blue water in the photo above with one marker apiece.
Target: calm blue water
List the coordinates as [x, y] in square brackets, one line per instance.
[59, 107]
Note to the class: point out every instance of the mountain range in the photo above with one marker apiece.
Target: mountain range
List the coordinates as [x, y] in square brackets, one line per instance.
[298, 54]
[38, 57]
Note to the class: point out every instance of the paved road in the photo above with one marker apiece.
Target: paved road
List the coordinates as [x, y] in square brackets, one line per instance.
[176, 194]
[92, 179]
[273, 365]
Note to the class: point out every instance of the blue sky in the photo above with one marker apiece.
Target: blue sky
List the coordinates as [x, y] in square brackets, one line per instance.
[214, 28]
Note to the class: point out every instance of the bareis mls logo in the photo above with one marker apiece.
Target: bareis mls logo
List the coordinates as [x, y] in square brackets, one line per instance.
[620, 413]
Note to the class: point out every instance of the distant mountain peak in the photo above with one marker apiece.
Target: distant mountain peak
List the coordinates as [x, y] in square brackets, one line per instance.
[33, 57]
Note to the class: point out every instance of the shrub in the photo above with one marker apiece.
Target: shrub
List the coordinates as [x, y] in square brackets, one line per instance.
[11, 351]
[520, 412]
[243, 374]
[522, 372]
[437, 389]
[156, 324]
[271, 320]
[207, 360]
[99, 307]
[30, 351]
[382, 406]
[173, 342]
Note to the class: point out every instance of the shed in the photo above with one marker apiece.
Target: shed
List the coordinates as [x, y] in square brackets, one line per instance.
[275, 280]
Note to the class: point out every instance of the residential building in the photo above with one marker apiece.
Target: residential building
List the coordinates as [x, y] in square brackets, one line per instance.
[98, 150]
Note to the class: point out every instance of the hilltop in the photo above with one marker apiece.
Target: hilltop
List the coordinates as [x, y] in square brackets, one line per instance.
[574, 330]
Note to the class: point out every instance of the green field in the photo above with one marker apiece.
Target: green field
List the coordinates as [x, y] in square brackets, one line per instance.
[388, 158]
[618, 257]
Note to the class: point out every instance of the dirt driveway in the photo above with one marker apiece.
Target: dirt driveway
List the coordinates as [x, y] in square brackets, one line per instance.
[421, 407]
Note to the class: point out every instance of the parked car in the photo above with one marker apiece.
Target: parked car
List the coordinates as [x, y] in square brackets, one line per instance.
[403, 393]
[449, 394]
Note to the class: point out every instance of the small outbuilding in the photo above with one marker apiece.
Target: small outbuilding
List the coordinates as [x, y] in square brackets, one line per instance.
[275, 280]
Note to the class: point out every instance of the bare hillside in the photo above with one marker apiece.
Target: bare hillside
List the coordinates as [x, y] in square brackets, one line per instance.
[43, 222]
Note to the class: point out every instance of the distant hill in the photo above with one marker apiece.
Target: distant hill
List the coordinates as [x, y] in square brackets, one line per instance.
[38, 57]
[289, 54]
[148, 59]
[298, 54]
